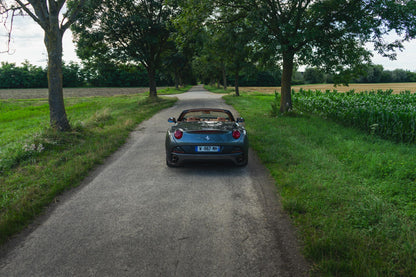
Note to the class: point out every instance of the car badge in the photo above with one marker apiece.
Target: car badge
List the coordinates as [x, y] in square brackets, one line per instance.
[207, 138]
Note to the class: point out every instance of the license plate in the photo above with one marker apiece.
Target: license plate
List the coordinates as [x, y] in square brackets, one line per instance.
[207, 149]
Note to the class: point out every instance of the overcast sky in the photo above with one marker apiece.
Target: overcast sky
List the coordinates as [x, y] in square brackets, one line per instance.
[27, 44]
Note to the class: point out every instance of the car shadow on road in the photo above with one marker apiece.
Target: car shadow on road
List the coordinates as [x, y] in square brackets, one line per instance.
[224, 168]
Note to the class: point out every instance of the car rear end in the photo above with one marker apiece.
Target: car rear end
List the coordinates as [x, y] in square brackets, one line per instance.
[221, 142]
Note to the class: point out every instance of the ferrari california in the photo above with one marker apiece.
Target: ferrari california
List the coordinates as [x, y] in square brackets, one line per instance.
[206, 134]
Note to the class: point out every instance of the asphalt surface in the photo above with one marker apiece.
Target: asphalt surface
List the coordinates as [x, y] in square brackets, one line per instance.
[134, 216]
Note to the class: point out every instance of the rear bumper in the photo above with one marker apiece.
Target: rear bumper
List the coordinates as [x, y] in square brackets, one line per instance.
[180, 158]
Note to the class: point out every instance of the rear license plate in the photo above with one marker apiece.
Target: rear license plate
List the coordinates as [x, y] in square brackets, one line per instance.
[207, 149]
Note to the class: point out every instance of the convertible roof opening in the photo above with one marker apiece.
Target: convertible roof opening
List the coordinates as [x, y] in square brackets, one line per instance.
[205, 114]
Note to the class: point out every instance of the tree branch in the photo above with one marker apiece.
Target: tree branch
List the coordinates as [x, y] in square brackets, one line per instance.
[39, 16]
[73, 15]
[26, 9]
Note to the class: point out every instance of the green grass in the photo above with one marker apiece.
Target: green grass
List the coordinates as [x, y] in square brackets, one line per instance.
[37, 163]
[170, 91]
[216, 89]
[352, 195]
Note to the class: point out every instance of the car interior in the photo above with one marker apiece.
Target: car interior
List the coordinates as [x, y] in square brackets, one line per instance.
[206, 116]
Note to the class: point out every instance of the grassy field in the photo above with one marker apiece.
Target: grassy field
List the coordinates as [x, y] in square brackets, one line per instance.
[397, 87]
[351, 194]
[37, 163]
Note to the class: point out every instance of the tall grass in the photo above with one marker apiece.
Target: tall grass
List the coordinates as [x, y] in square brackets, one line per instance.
[38, 163]
[352, 195]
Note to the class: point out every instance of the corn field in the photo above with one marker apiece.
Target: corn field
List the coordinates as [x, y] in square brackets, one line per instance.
[382, 113]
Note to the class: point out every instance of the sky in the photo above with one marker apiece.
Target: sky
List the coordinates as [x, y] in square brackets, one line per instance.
[27, 44]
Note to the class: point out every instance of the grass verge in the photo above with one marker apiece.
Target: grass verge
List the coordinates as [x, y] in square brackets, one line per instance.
[37, 163]
[170, 91]
[216, 89]
[352, 195]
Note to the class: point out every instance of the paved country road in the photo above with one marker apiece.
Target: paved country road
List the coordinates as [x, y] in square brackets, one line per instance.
[134, 216]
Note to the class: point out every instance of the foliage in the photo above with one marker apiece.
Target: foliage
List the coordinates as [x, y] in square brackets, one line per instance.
[103, 74]
[328, 34]
[177, 62]
[26, 76]
[72, 75]
[127, 31]
[98, 75]
[390, 116]
[313, 76]
[38, 163]
[351, 195]
[376, 74]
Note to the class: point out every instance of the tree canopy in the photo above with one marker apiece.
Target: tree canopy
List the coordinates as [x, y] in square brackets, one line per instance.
[127, 31]
[329, 34]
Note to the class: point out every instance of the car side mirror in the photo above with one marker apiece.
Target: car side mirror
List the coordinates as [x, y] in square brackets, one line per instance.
[172, 120]
[240, 119]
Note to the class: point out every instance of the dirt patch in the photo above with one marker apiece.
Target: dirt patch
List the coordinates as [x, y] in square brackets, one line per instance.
[68, 92]
[396, 87]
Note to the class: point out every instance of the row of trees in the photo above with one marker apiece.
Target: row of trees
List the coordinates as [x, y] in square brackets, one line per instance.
[219, 39]
[32, 76]
[372, 74]
[111, 75]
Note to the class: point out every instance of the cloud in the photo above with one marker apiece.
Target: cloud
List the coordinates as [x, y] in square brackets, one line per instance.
[405, 59]
[27, 44]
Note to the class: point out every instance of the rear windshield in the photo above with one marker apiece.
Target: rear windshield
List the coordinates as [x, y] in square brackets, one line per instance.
[206, 116]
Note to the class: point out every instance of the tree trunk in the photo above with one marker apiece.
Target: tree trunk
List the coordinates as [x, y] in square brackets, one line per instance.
[151, 72]
[177, 79]
[286, 87]
[53, 43]
[224, 77]
[237, 91]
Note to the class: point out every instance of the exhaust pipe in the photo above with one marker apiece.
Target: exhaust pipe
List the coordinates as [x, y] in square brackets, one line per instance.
[174, 159]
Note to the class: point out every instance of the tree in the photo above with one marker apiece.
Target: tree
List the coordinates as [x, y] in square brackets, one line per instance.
[236, 37]
[212, 56]
[373, 74]
[26, 76]
[327, 34]
[54, 22]
[226, 38]
[72, 75]
[313, 76]
[127, 31]
[177, 65]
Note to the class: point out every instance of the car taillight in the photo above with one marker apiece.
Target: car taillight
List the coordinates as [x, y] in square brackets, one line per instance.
[236, 134]
[178, 134]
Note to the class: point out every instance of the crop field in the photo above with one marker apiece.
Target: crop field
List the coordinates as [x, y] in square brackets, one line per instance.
[69, 92]
[396, 87]
[390, 116]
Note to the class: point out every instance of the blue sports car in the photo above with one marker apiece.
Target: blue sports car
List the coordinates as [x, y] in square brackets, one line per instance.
[206, 134]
